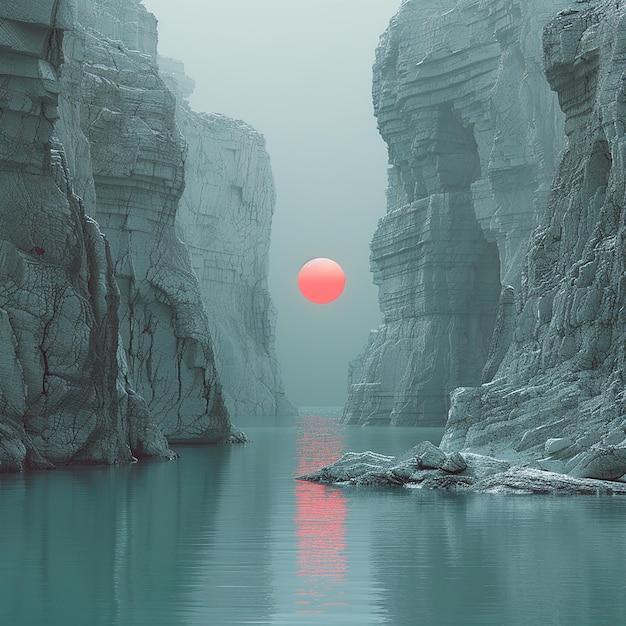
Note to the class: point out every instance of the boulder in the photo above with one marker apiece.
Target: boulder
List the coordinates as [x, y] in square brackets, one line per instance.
[454, 463]
[429, 456]
[604, 463]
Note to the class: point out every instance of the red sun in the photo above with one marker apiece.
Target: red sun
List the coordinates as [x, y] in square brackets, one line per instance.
[321, 280]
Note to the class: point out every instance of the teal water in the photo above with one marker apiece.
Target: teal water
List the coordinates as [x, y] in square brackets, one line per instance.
[225, 536]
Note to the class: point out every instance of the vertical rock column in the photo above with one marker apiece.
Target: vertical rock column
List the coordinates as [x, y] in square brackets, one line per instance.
[59, 395]
[557, 397]
[225, 217]
[127, 115]
[459, 95]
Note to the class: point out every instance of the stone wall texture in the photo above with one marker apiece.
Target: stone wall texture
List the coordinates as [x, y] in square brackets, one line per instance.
[63, 394]
[473, 134]
[557, 398]
[225, 218]
[107, 334]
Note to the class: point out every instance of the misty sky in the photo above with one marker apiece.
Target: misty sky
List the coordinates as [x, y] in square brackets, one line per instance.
[299, 71]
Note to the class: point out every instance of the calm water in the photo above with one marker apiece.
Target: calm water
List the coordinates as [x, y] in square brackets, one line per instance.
[226, 536]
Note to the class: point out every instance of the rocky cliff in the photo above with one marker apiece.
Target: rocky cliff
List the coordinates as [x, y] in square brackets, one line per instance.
[557, 398]
[63, 395]
[127, 116]
[473, 132]
[551, 416]
[225, 218]
[107, 344]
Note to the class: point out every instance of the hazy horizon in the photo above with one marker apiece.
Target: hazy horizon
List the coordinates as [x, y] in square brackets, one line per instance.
[300, 73]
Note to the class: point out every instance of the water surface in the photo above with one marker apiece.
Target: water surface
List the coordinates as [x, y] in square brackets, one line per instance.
[226, 536]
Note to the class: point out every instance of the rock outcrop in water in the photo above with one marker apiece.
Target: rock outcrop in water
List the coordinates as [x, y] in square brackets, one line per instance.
[473, 131]
[554, 409]
[225, 218]
[106, 342]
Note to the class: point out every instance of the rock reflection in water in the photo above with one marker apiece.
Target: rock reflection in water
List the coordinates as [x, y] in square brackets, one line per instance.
[320, 518]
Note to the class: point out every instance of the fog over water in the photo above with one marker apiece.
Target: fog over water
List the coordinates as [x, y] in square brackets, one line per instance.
[299, 71]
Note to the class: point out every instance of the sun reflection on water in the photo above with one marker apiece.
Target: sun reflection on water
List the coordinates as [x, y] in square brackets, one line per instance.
[320, 518]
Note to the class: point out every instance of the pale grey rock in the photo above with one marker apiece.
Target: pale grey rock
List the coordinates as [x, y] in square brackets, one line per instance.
[557, 446]
[535, 481]
[483, 475]
[454, 463]
[404, 470]
[106, 343]
[62, 399]
[563, 375]
[225, 217]
[607, 463]
[429, 456]
[473, 133]
[481, 466]
[551, 464]
[555, 383]
[539, 434]
[118, 112]
[354, 467]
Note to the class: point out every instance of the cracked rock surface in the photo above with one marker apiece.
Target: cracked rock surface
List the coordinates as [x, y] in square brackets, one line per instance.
[62, 396]
[123, 115]
[106, 346]
[557, 399]
[553, 409]
[481, 474]
[473, 132]
[225, 218]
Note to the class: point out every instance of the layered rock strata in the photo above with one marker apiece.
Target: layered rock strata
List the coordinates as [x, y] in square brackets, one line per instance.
[473, 132]
[225, 218]
[107, 344]
[557, 399]
[126, 121]
[63, 397]
[553, 417]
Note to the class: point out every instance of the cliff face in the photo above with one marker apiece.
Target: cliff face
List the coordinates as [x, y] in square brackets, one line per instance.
[62, 397]
[106, 343]
[225, 218]
[126, 114]
[473, 132]
[558, 394]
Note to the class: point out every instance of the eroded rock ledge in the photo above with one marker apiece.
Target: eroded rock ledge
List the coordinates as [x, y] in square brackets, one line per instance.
[557, 399]
[466, 472]
[473, 132]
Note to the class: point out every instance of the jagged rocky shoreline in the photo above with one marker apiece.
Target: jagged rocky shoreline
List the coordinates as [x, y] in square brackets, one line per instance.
[111, 343]
[427, 467]
[547, 396]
